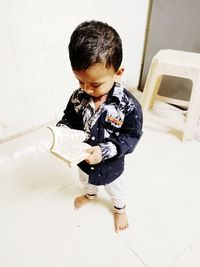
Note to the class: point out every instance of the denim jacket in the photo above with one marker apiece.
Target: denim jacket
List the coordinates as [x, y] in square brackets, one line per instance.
[116, 127]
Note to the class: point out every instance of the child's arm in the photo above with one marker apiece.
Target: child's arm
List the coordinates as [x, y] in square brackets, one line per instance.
[71, 117]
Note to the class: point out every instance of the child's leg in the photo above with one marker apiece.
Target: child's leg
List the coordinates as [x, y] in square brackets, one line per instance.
[117, 194]
[90, 191]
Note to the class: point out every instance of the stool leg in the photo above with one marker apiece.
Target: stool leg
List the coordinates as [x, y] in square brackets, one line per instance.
[193, 111]
[155, 91]
[151, 87]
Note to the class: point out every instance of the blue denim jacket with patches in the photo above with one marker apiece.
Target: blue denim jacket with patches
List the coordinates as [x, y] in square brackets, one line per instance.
[116, 127]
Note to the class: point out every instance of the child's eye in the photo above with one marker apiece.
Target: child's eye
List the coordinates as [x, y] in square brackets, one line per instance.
[96, 86]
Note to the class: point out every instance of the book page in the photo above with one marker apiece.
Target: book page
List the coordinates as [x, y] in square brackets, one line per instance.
[68, 144]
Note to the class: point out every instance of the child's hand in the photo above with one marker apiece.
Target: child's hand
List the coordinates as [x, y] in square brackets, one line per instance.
[95, 155]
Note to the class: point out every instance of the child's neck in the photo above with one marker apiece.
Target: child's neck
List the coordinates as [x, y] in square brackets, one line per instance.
[98, 101]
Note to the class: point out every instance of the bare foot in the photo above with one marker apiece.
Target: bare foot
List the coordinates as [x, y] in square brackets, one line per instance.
[81, 201]
[121, 221]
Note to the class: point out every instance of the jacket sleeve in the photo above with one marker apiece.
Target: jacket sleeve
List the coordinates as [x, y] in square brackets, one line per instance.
[71, 117]
[130, 132]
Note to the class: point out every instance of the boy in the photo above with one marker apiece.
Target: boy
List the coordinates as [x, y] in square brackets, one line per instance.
[108, 113]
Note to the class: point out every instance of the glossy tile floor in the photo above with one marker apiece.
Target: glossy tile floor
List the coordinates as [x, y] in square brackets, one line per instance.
[39, 227]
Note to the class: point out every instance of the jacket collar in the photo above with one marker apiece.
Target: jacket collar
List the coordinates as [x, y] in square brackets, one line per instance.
[114, 95]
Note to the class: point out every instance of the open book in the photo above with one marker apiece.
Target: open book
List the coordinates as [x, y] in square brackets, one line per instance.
[68, 144]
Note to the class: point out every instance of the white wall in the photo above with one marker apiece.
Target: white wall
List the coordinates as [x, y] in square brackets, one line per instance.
[35, 75]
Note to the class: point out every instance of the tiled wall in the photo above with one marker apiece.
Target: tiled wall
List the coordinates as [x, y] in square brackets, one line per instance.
[35, 75]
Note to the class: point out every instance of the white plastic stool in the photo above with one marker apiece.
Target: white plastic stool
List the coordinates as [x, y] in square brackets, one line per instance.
[180, 64]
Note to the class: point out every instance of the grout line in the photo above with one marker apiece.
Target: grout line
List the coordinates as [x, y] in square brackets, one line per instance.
[25, 210]
[184, 249]
[31, 50]
[126, 243]
[132, 250]
[28, 131]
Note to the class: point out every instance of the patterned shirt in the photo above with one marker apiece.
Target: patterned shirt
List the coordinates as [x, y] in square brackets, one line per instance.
[116, 127]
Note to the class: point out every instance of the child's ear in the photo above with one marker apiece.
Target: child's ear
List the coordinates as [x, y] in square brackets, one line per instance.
[119, 74]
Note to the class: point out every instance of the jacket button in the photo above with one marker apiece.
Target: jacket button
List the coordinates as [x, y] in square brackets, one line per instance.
[93, 137]
[92, 168]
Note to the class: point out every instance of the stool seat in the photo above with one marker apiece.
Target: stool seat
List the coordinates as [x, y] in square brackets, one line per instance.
[180, 64]
[179, 57]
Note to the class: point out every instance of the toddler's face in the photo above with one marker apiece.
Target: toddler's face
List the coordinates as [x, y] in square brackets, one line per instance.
[97, 80]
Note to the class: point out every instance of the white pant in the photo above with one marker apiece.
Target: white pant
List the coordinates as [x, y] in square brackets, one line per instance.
[115, 190]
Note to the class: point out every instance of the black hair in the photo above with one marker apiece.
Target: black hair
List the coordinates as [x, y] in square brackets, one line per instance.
[95, 42]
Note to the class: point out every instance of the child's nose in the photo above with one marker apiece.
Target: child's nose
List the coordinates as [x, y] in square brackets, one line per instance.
[88, 88]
